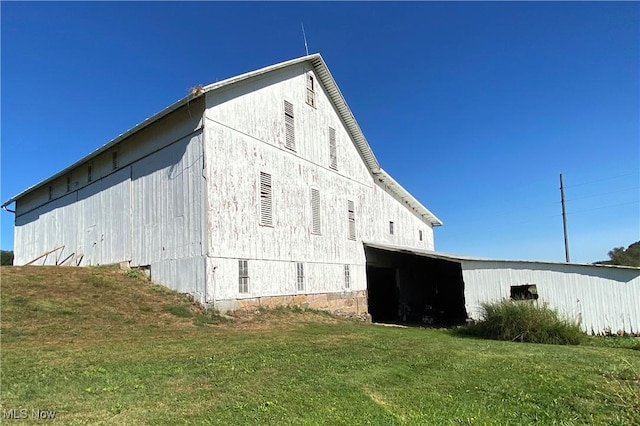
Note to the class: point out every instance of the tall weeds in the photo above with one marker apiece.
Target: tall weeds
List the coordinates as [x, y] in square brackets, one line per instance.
[524, 321]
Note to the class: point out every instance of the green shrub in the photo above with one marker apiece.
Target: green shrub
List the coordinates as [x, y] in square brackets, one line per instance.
[135, 273]
[524, 321]
[7, 257]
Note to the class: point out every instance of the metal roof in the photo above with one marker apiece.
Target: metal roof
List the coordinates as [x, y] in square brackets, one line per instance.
[462, 258]
[337, 99]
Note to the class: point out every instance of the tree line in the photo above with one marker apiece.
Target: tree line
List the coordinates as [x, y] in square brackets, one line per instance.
[624, 257]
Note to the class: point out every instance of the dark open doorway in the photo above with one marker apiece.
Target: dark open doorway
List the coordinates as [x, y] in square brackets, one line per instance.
[408, 288]
[382, 293]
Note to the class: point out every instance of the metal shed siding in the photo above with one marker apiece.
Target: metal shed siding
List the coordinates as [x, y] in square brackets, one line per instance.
[245, 136]
[603, 299]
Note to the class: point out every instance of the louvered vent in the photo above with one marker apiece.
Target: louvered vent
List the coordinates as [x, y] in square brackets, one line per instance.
[315, 211]
[333, 156]
[347, 277]
[243, 274]
[352, 220]
[300, 276]
[311, 94]
[266, 207]
[290, 141]
[114, 160]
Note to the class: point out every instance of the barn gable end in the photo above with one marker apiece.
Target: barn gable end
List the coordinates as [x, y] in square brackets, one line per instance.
[254, 189]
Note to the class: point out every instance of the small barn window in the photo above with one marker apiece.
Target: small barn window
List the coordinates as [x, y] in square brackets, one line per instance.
[50, 192]
[89, 173]
[315, 212]
[351, 219]
[243, 274]
[290, 137]
[311, 93]
[300, 276]
[114, 160]
[333, 156]
[68, 183]
[524, 292]
[391, 228]
[420, 234]
[347, 276]
[266, 206]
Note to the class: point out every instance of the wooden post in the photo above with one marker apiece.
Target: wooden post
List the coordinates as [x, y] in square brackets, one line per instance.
[564, 221]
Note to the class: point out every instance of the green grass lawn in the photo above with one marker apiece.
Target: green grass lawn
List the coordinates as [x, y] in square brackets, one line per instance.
[102, 347]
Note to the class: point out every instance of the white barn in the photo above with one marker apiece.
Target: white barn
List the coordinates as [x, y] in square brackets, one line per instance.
[262, 190]
[257, 189]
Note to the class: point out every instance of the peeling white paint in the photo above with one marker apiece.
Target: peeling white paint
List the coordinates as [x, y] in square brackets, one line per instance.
[245, 133]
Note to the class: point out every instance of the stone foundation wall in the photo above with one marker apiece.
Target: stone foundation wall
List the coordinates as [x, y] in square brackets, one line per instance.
[352, 304]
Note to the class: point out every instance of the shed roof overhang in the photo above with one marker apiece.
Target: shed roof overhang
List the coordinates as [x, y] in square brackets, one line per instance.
[461, 258]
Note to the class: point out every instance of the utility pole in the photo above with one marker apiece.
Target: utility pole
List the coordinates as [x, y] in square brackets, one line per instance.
[564, 220]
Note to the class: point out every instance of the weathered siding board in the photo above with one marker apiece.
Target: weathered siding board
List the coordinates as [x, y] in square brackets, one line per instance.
[168, 203]
[275, 278]
[186, 275]
[92, 222]
[263, 99]
[153, 138]
[603, 299]
[160, 179]
[103, 215]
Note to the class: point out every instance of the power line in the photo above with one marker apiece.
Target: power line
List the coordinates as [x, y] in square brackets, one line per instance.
[602, 180]
[604, 193]
[539, 218]
[605, 207]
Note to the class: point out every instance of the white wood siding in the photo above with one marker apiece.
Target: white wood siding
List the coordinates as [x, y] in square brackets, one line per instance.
[93, 223]
[149, 212]
[246, 135]
[168, 203]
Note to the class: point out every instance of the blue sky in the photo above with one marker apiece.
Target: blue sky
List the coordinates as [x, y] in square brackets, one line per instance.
[474, 107]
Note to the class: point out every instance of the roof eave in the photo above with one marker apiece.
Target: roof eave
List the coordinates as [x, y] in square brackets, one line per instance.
[192, 96]
[322, 71]
[409, 199]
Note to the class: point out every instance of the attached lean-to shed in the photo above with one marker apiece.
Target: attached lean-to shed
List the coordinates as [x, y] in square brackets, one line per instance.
[604, 299]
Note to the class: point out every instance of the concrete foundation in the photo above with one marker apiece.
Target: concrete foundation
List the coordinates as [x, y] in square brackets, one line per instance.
[352, 304]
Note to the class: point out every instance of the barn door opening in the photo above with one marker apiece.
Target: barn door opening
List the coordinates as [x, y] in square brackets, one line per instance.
[409, 288]
[382, 293]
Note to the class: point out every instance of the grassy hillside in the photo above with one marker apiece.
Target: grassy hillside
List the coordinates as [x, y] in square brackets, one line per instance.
[99, 346]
